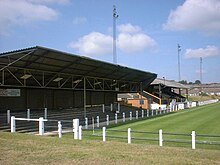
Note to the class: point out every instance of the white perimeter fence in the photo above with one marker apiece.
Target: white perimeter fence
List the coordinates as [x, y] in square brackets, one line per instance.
[78, 130]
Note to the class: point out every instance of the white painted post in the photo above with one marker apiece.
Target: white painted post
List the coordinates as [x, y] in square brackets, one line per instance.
[45, 113]
[104, 134]
[97, 121]
[130, 115]
[136, 114]
[123, 114]
[59, 129]
[103, 108]
[41, 126]
[160, 137]
[8, 116]
[152, 111]
[28, 113]
[118, 107]
[129, 135]
[76, 128]
[86, 123]
[193, 140]
[160, 111]
[93, 126]
[80, 132]
[111, 107]
[156, 112]
[148, 113]
[13, 124]
[116, 118]
[107, 119]
[142, 113]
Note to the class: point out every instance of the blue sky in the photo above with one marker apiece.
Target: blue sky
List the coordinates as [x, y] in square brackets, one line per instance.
[148, 32]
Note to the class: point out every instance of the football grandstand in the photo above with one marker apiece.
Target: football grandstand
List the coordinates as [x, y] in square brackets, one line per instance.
[41, 82]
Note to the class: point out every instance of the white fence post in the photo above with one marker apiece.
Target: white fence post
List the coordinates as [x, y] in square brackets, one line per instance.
[80, 132]
[148, 113]
[123, 114]
[161, 137]
[86, 123]
[111, 107]
[152, 112]
[116, 118]
[28, 113]
[8, 116]
[107, 119]
[142, 113]
[130, 115]
[45, 113]
[129, 135]
[104, 133]
[93, 126]
[193, 140]
[156, 112]
[103, 108]
[13, 124]
[41, 126]
[76, 128]
[59, 129]
[160, 112]
[97, 121]
[136, 114]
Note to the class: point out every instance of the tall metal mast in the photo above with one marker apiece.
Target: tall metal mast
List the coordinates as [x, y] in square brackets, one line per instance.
[179, 49]
[201, 76]
[115, 16]
[201, 70]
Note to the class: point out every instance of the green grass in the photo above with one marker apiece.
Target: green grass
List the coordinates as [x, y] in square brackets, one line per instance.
[16, 148]
[203, 120]
[19, 149]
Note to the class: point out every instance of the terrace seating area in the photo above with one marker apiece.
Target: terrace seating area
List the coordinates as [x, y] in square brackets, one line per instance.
[65, 116]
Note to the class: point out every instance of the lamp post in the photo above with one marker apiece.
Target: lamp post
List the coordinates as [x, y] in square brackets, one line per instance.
[178, 50]
[164, 81]
[115, 16]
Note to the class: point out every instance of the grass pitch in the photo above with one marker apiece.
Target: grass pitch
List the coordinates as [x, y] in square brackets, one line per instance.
[16, 148]
[31, 149]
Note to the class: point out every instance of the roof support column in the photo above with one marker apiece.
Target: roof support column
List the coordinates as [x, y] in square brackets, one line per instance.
[84, 92]
[3, 77]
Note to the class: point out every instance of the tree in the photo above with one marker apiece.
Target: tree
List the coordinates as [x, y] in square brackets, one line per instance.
[197, 82]
[183, 82]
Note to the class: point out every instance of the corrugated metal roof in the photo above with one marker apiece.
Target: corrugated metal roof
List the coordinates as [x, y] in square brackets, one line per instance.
[169, 83]
[46, 59]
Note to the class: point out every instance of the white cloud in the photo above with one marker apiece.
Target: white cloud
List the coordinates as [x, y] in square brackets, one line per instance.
[128, 28]
[79, 20]
[94, 43]
[21, 12]
[131, 39]
[196, 15]
[209, 51]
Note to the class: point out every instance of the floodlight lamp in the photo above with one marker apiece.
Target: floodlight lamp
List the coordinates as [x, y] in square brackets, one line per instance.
[57, 79]
[26, 76]
[77, 81]
[124, 85]
[97, 83]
